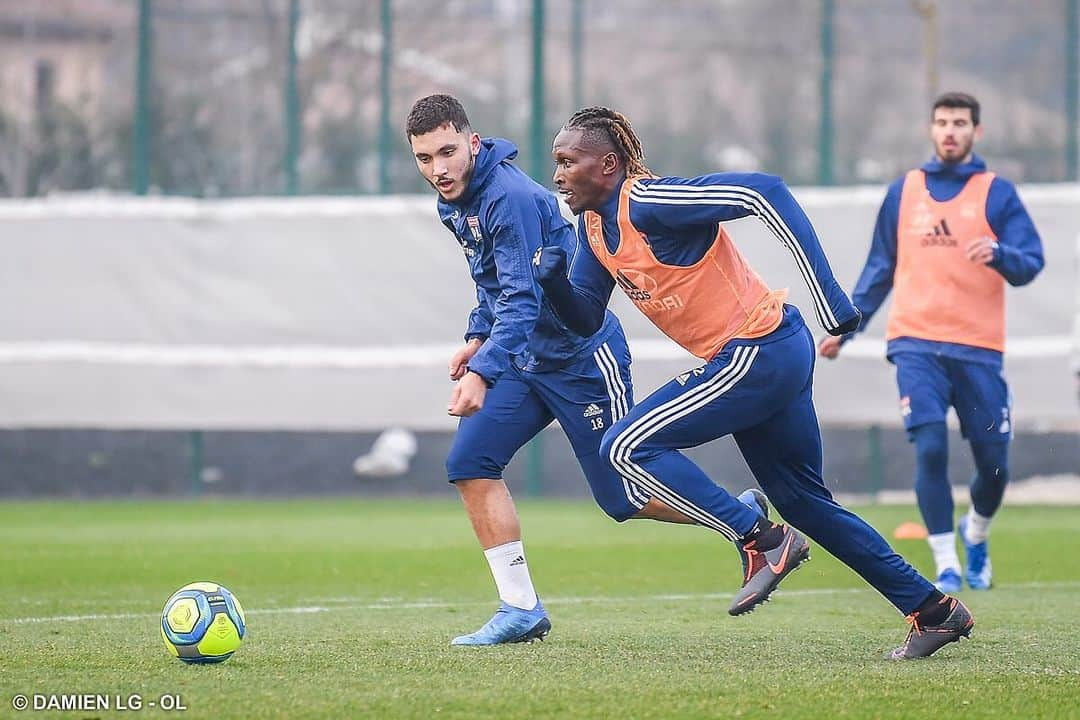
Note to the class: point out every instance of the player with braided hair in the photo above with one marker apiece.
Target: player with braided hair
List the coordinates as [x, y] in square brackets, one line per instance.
[596, 122]
[662, 241]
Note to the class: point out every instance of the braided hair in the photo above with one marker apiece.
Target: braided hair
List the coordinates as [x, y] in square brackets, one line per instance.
[604, 124]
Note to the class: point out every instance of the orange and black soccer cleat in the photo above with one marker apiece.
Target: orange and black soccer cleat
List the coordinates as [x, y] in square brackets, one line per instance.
[764, 569]
[925, 640]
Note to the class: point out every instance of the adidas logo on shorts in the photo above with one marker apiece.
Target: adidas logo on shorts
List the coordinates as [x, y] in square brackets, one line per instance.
[592, 411]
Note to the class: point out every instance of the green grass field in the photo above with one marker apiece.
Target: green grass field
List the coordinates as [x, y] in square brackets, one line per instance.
[351, 605]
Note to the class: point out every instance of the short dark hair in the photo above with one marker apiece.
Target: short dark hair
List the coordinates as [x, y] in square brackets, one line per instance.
[958, 100]
[432, 112]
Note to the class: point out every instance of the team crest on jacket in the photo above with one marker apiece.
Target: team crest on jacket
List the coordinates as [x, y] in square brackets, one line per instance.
[477, 237]
[474, 226]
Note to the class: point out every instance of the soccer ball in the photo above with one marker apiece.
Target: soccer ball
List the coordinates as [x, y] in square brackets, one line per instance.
[202, 623]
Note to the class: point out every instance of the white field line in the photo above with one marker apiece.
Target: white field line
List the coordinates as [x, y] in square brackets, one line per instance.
[348, 604]
[319, 357]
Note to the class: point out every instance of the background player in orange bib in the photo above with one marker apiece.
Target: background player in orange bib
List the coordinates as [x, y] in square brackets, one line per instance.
[661, 241]
[948, 237]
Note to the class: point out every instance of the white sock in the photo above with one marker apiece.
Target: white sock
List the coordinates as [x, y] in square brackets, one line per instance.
[978, 527]
[511, 574]
[943, 545]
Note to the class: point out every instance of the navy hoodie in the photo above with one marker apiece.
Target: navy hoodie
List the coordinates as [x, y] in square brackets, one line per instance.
[501, 220]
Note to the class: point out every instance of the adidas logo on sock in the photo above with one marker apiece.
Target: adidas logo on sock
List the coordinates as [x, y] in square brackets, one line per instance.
[519, 560]
[592, 411]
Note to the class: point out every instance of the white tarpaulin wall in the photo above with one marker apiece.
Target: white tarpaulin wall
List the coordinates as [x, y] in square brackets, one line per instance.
[328, 313]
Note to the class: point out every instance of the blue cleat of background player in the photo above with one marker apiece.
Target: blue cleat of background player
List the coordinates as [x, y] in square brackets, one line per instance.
[948, 581]
[978, 560]
[510, 625]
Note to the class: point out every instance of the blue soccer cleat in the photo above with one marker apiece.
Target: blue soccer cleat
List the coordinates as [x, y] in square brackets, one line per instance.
[948, 581]
[978, 560]
[510, 625]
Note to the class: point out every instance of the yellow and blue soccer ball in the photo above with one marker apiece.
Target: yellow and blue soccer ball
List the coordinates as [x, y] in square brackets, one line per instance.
[202, 623]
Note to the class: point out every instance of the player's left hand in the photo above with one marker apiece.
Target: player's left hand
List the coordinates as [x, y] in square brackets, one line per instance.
[981, 250]
[468, 395]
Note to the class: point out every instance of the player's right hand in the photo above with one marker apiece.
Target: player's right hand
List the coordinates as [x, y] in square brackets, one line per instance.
[829, 347]
[550, 262]
[459, 361]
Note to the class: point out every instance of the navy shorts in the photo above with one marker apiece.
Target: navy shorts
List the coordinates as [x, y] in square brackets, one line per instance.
[586, 397]
[930, 383]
